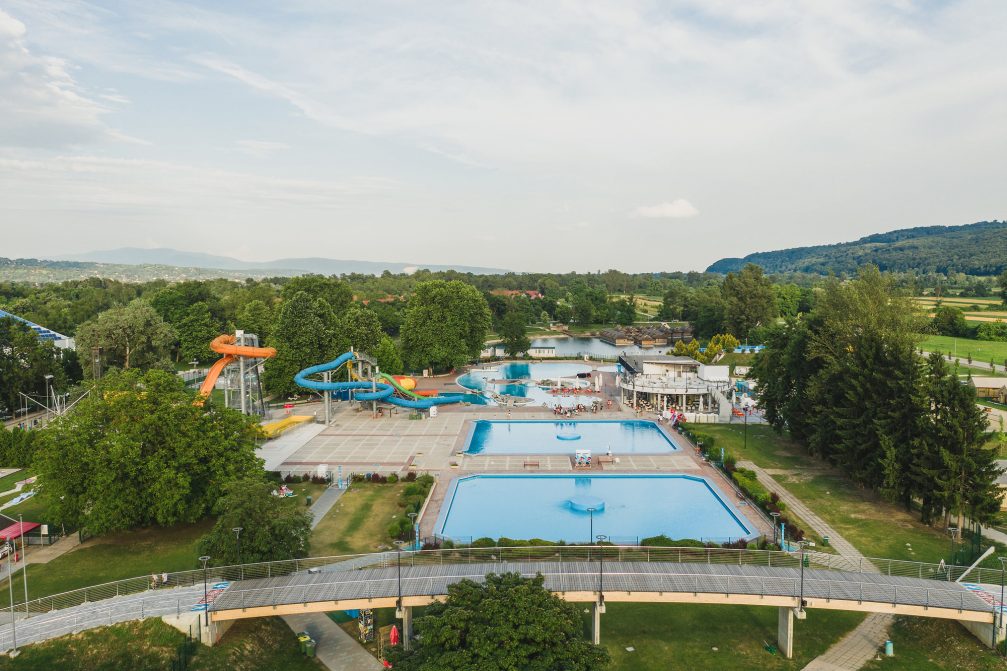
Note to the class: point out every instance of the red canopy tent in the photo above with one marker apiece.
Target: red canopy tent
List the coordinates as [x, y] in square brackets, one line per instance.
[17, 529]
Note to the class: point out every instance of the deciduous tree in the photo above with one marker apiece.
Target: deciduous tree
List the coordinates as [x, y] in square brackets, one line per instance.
[445, 325]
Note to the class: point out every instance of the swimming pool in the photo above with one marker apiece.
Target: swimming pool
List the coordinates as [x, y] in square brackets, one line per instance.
[523, 378]
[630, 436]
[554, 508]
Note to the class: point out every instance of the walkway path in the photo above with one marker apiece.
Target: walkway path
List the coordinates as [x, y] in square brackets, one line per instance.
[336, 649]
[862, 644]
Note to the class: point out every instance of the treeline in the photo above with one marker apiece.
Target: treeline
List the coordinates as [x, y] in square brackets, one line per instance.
[975, 249]
[847, 382]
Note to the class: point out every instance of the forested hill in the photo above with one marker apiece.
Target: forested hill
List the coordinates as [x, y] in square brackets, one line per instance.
[975, 249]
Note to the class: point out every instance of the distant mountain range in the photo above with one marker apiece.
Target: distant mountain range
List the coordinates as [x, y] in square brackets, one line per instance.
[181, 259]
[974, 249]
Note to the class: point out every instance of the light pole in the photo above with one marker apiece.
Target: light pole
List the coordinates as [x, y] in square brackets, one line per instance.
[47, 386]
[800, 607]
[590, 536]
[775, 516]
[1000, 609]
[398, 563]
[237, 540]
[24, 562]
[412, 523]
[206, 605]
[601, 569]
[10, 585]
[746, 428]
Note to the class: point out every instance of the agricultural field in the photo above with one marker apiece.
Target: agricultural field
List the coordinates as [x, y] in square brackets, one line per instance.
[975, 309]
[980, 350]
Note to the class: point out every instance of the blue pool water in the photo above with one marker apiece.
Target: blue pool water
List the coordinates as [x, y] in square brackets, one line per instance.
[633, 436]
[522, 381]
[552, 507]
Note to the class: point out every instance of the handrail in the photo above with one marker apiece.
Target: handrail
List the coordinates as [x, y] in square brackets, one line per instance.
[707, 583]
[771, 558]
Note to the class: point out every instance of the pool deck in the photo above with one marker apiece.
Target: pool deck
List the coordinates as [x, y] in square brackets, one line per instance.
[392, 443]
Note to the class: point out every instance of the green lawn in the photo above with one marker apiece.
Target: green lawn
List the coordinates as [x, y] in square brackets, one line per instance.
[263, 644]
[114, 557]
[922, 643]
[359, 520]
[666, 636]
[981, 350]
[7, 482]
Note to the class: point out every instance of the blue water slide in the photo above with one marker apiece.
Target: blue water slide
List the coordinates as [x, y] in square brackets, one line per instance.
[366, 391]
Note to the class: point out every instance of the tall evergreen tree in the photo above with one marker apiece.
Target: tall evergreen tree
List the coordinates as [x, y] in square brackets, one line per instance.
[302, 337]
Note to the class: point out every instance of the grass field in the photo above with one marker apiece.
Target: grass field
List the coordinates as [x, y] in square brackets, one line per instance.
[981, 350]
[665, 636]
[114, 557]
[249, 645]
[940, 645]
[359, 520]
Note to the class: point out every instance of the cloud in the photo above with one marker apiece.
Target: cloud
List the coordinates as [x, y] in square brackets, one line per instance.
[41, 104]
[679, 208]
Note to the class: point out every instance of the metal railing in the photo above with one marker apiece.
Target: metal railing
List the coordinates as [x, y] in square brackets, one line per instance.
[564, 553]
[584, 578]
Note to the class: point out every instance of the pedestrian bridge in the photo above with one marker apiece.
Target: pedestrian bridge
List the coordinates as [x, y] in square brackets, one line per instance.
[591, 574]
[605, 575]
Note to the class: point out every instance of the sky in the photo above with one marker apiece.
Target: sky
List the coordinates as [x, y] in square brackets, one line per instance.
[536, 136]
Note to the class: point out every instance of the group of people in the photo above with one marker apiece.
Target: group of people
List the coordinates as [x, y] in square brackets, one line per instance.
[595, 406]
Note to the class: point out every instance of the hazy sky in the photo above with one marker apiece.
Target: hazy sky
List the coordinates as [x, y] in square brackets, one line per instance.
[535, 136]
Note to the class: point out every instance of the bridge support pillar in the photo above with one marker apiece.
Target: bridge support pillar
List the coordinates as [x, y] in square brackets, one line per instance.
[407, 627]
[596, 611]
[785, 632]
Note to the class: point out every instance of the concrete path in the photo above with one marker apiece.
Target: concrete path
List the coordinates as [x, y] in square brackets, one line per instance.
[336, 650]
[275, 452]
[324, 504]
[862, 644]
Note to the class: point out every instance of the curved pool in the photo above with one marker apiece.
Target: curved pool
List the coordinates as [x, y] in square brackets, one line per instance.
[522, 380]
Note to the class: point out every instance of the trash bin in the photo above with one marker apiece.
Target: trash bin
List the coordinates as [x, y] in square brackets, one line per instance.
[307, 500]
[889, 649]
[807, 561]
[825, 541]
[302, 640]
[309, 647]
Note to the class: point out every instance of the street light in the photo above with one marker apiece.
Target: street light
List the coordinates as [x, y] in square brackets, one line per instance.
[601, 569]
[590, 536]
[776, 517]
[24, 561]
[206, 604]
[1003, 561]
[237, 540]
[47, 387]
[398, 563]
[800, 607]
[412, 522]
[10, 585]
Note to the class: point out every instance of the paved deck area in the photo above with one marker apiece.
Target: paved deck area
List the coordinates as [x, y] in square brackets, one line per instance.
[336, 650]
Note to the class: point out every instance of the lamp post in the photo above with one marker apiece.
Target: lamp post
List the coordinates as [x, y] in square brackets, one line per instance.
[412, 521]
[590, 536]
[10, 585]
[48, 385]
[775, 516]
[237, 541]
[800, 607]
[24, 562]
[746, 427]
[1000, 609]
[601, 569]
[206, 605]
[398, 563]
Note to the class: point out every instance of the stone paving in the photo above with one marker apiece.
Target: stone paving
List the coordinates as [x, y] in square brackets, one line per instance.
[862, 644]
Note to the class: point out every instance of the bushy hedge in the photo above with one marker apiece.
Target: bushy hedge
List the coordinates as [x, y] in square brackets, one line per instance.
[411, 500]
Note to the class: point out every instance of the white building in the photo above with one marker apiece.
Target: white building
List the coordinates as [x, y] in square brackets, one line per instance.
[664, 382]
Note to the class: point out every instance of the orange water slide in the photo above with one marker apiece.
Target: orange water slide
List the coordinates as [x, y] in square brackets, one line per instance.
[224, 344]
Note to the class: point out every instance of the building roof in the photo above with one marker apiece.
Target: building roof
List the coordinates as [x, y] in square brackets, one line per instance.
[990, 382]
[41, 331]
[634, 362]
[15, 530]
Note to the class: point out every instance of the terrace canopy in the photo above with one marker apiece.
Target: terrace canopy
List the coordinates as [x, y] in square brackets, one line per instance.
[17, 530]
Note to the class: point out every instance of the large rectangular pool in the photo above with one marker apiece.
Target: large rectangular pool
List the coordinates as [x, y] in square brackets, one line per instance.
[555, 508]
[555, 437]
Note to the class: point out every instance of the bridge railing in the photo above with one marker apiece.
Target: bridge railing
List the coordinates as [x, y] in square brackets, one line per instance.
[578, 578]
[563, 553]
